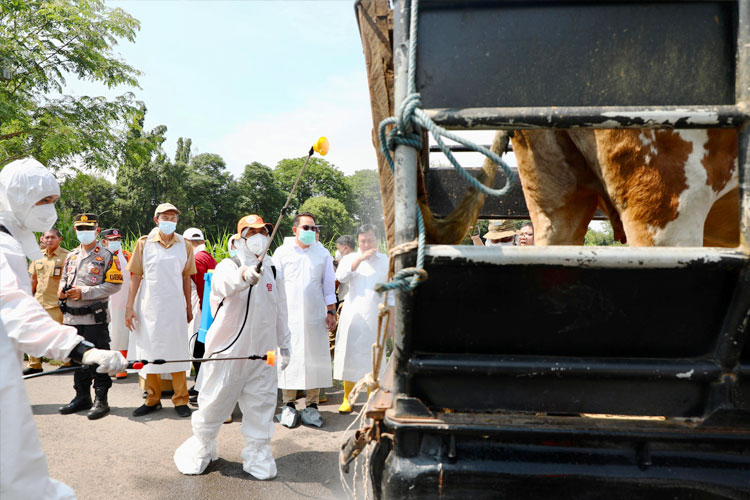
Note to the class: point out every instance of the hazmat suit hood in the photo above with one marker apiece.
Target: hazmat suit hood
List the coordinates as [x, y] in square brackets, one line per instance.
[22, 184]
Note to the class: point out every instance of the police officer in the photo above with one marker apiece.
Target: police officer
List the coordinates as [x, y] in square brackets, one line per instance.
[91, 274]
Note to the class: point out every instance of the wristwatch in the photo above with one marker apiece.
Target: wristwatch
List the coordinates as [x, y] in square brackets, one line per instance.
[330, 311]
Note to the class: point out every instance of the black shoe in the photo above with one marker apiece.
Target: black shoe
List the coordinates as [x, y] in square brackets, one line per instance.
[312, 405]
[183, 410]
[79, 403]
[100, 407]
[193, 400]
[145, 410]
[32, 371]
[192, 392]
[291, 405]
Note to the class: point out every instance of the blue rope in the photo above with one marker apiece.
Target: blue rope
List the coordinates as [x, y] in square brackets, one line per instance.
[408, 120]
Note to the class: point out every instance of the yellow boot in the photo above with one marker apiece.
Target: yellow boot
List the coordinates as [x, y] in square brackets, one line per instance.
[345, 406]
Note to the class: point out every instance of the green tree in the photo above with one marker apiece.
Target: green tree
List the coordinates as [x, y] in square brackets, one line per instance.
[320, 179]
[368, 209]
[331, 215]
[210, 195]
[42, 43]
[259, 192]
[605, 237]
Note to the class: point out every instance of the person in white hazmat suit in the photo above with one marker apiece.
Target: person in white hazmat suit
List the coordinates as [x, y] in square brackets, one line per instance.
[250, 317]
[358, 325]
[307, 269]
[28, 192]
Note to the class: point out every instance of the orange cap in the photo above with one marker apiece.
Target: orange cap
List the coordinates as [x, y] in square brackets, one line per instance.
[254, 221]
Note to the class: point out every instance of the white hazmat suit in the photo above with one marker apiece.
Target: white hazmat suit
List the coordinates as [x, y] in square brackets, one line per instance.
[251, 329]
[25, 327]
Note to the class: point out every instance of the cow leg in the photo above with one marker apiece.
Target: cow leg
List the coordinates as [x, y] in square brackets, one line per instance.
[559, 187]
[661, 183]
[722, 227]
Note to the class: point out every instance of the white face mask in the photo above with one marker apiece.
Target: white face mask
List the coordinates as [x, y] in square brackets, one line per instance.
[86, 237]
[41, 218]
[249, 249]
[338, 256]
[256, 244]
[114, 246]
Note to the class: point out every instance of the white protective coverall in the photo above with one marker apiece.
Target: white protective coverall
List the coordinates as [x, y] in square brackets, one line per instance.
[24, 327]
[253, 383]
[358, 325]
[118, 333]
[303, 272]
[160, 307]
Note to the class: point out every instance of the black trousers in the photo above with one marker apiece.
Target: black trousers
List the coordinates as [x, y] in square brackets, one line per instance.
[99, 336]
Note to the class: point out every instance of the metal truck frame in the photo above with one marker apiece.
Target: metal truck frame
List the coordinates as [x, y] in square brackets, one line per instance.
[568, 372]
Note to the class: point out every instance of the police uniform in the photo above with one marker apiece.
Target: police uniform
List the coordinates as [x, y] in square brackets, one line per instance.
[98, 274]
[47, 271]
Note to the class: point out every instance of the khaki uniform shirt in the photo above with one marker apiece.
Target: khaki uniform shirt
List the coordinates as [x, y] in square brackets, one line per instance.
[135, 264]
[48, 271]
[98, 273]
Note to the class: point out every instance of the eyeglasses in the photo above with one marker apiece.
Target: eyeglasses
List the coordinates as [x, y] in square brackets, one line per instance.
[305, 227]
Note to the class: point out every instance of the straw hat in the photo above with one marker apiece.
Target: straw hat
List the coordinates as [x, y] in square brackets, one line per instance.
[500, 229]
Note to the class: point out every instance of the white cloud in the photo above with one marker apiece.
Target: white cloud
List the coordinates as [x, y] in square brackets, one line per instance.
[340, 110]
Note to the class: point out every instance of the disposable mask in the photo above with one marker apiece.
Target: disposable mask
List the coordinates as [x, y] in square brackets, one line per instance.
[256, 244]
[337, 256]
[306, 237]
[41, 218]
[167, 227]
[114, 246]
[232, 253]
[86, 237]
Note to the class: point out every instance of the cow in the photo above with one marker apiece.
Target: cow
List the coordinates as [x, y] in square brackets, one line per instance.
[659, 187]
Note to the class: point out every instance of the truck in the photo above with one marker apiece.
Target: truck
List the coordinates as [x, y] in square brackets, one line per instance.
[560, 372]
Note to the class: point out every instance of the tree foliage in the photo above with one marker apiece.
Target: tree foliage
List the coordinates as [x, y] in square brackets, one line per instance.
[368, 209]
[42, 43]
[331, 215]
[320, 179]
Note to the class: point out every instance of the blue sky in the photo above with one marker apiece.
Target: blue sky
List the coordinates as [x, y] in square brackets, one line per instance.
[253, 80]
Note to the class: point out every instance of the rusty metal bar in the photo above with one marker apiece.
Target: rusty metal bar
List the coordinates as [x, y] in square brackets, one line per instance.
[591, 257]
[405, 185]
[591, 117]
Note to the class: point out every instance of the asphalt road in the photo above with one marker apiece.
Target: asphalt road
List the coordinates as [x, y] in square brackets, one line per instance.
[121, 456]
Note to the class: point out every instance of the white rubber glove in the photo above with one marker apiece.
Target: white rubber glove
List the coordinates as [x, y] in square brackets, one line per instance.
[110, 362]
[250, 275]
[284, 358]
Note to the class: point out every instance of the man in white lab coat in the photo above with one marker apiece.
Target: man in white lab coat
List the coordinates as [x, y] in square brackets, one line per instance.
[307, 270]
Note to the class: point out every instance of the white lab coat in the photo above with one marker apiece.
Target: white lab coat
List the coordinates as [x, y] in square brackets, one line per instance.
[251, 383]
[118, 333]
[308, 291]
[24, 327]
[358, 324]
[160, 307]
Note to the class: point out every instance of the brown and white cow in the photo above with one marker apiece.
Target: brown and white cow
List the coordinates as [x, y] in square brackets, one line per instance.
[658, 187]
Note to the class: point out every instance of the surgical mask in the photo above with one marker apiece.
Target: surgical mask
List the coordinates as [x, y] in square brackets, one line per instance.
[86, 237]
[337, 256]
[167, 227]
[41, 218]
[232, 253]
[306, 237]
[256, 244]
[114, 246]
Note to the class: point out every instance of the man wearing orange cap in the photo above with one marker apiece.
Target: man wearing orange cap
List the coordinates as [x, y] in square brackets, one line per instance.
[250, 317]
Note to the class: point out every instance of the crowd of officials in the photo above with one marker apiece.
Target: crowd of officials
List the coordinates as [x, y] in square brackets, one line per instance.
[317, 314]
